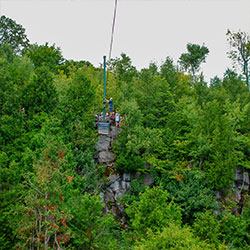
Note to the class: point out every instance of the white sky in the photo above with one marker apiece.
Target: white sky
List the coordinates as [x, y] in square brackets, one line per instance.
[146, 30]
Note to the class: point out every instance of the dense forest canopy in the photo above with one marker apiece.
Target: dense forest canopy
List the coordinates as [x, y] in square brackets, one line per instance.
[192, 133]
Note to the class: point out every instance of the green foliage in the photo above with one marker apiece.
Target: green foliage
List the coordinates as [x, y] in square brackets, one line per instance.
[79, 96]
[243, 141]
[190, 191]
[153, 93]
[172, 237]
[11, 78]
[202, 94]
[208, 227]
[90, 228]
[29, 124]
[39, 94]
[233, 230]
[8, 195]
[51, 189]
[152, 211]
[196, 55]
[13, 34]
[125, 160]
[199, 125]
[134, 191]
[44, 55]
[169, 72]
[218, 132]
[234, 86]
[69, 67]
[43, 215]
[205, 133]
[123, 68]
[88, 173]
[190, 133]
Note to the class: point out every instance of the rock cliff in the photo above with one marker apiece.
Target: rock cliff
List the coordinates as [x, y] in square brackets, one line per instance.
[118, 185]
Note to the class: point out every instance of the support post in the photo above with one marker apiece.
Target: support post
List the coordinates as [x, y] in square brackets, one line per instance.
[103, 127]
[104, 88]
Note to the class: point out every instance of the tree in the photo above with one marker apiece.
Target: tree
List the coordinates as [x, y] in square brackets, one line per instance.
[153, 211]
[12, 34]
[80, 96]
[71, 66]
[240, 51]
[44, 212]
[173, 237]
[39, 94]
[169, 72]
[232, 230]
[91, 229]
[192, 60]
[214, 138]
[123, 68]
[191, 192]
[235, 86]
[46, 55]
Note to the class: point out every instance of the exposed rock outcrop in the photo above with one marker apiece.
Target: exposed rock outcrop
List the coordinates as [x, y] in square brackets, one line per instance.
[238, 190]
[105, 154]
[240, 187]
[118, 185]
[115, 190]
[241, 179]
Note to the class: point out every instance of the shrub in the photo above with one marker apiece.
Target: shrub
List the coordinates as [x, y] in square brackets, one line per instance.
[152, 211]
[172, 237]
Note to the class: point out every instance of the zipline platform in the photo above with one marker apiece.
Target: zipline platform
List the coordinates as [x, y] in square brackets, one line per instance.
[103, 128]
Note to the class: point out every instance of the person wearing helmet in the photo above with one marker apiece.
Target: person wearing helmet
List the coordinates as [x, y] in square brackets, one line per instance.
[117, 119]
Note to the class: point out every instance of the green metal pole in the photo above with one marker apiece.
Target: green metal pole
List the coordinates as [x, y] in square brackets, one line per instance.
[104, 88]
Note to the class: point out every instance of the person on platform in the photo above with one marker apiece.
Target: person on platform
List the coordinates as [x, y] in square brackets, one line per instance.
[117, 119]
[110, 102]
[112, 119]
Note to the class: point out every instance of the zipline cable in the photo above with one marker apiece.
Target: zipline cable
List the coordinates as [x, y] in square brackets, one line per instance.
[112, 36]
[113, 29]
[110, 50]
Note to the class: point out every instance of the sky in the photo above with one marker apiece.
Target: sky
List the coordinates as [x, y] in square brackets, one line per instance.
[146, 30]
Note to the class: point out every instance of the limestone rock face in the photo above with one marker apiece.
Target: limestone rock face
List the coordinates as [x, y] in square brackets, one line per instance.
[113, 192]
[241, 178]
[103, 147]
[114, 132]
[103, 144]
[119, 188]
[240, 186]
[126, 177]
[113, 177]
[106, 157]
[117, 185]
